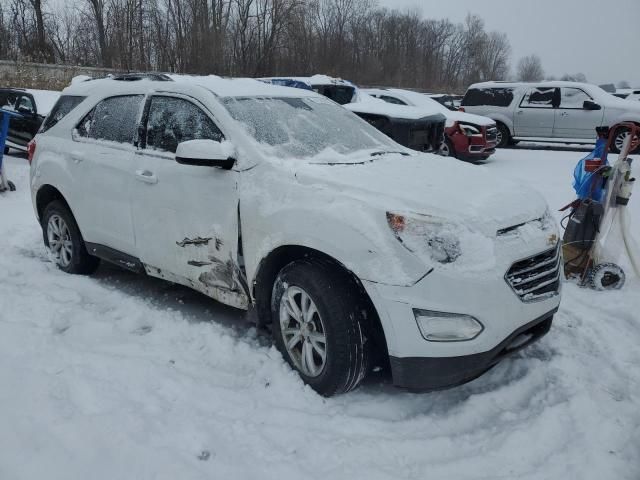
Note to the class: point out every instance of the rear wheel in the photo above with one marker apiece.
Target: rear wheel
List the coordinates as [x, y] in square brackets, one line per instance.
[618, 141]
[64, 241]
[503, 137]
[319, 326]
[446, 149]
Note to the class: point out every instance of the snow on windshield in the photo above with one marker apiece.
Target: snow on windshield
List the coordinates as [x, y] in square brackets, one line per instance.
[304, 127]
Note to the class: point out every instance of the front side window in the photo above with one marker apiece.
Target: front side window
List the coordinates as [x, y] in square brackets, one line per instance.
[573, 98]
[63, 106]
[540, 98]
[25, 105]
[175, 120]
[114, 119]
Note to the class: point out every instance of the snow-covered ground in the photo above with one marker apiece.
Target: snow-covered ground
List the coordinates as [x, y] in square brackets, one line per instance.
[123, 377]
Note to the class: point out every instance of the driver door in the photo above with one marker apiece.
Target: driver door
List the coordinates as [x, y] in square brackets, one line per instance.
[572, 120]
[185, 216]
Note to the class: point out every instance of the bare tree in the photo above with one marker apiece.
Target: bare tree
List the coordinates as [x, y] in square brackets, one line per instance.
[530, 69]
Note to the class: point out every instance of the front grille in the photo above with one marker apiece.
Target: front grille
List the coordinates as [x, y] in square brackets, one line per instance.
[492, 134]
[536, 277]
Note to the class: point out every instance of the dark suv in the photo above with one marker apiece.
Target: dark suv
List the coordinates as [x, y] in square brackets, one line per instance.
[33, 105]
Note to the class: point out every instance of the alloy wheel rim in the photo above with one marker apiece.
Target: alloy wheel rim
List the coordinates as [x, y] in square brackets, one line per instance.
[444, 150]
[620, 139]
[303, 331]
[499, 137]
[59, 238]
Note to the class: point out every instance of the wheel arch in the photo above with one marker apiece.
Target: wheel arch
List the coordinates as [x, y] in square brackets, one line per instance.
[272, 264]
[47, 194]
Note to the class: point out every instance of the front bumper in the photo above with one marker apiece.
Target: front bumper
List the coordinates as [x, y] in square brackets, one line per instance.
[423, 374]
[487, 296]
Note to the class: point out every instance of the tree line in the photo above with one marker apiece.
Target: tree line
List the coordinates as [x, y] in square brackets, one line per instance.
[353, 39]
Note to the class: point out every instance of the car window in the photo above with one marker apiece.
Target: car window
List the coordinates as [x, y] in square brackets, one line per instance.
[63, 106]
[341, 94]
[8, 100]
[174, 120]
[539, 98]
[114, 119]
[573, 98]
[25, 104]
[495, 97]
[394, 100]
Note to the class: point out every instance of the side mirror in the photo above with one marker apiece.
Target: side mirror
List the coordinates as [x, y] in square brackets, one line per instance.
[589, 105]
[206, 153]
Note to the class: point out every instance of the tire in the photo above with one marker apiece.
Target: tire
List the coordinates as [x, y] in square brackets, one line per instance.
[338, 317]
[447, 150]
[504, 136]
[606, 276]
[618, 141]
[6, 150]
[70, 254]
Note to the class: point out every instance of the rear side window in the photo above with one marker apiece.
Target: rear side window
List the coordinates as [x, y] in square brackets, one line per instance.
[8, 99]
[540, 98]
[63, 106]
[114, 119]
[394, 100]
[495, 97]
[175, 120]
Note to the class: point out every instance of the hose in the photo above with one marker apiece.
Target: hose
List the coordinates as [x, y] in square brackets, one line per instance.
[630, 245]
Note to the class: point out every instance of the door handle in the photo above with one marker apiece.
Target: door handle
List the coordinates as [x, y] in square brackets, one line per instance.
[520, 112]
[146, 176]
[564, 114]
[77, 157]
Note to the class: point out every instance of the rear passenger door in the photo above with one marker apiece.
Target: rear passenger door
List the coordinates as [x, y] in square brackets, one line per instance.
[101, 162]
[536, 114]
[572, 120]
[23, 129]
[185, 216]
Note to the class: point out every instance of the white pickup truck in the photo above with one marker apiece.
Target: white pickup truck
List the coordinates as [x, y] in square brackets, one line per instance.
[556, 112]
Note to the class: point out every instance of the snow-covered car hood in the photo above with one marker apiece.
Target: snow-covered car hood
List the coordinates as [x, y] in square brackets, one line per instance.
[368, 104]
[427, 184]
[469, 118]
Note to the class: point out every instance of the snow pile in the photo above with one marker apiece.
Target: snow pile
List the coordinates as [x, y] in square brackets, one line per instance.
[120, 376]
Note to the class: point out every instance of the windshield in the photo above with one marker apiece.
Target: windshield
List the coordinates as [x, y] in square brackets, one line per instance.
[305, 127]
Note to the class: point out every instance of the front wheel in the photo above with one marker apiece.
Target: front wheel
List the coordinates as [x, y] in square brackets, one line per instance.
[318, 326]
[503, 137]
[64, 241]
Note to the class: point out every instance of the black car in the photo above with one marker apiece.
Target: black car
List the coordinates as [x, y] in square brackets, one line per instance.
[33, 105]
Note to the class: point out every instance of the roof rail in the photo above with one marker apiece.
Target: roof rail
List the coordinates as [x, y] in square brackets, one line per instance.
[132, 77]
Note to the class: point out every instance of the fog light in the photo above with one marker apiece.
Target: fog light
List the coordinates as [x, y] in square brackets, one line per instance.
[447, 327]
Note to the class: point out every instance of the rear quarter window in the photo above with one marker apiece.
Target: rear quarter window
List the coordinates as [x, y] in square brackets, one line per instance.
[494, 97]
[63, 106]
[114, 119]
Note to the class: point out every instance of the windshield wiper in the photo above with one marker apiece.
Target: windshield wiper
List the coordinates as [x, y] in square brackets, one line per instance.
[388, 152]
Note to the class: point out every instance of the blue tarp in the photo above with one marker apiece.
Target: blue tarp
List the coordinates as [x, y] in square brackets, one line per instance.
[582, 180]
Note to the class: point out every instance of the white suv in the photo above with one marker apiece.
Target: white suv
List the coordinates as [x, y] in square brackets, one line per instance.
[557, 112]
[281, 202]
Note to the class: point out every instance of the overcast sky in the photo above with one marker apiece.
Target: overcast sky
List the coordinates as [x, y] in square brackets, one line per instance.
[599, 38]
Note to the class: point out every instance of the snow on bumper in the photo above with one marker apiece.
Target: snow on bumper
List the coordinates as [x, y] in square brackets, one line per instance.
[487, 297]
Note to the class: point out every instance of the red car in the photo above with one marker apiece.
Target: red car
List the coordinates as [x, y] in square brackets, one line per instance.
[467, 137]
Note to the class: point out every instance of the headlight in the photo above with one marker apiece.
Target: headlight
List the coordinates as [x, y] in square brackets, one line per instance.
[426, 236]
[469, 130]
[447, 327]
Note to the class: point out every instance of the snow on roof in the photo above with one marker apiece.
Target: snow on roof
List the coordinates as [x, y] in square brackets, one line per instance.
[220, 86]
[45, 100]
[240, 87]
[317, 79]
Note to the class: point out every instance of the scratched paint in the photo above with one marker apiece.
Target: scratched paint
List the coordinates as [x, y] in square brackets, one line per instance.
[198, 241]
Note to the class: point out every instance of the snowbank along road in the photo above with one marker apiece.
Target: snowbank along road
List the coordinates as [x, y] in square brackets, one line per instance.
[120, 376]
